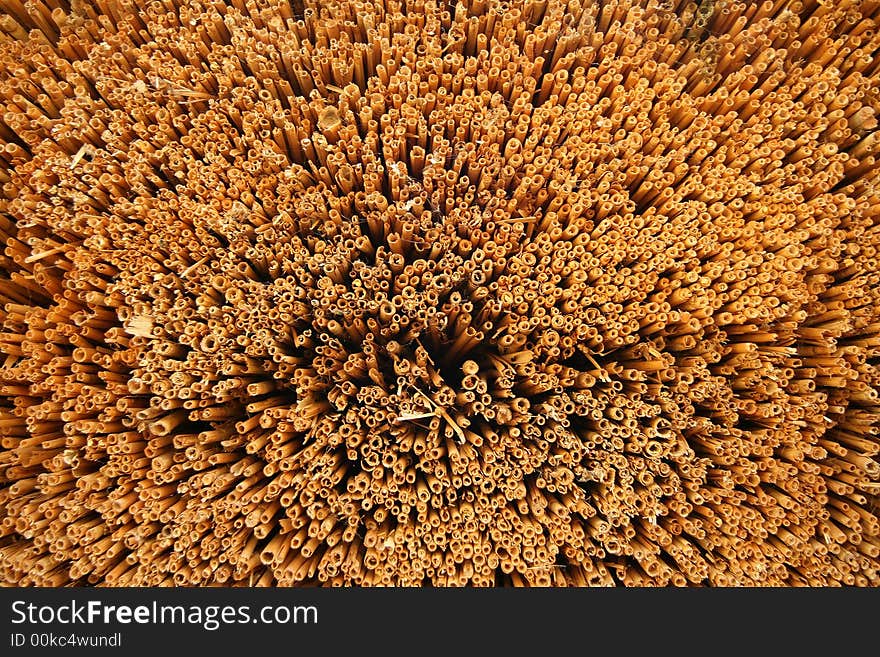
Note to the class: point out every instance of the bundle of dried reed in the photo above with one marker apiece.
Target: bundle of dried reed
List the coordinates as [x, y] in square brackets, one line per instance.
[538, 292]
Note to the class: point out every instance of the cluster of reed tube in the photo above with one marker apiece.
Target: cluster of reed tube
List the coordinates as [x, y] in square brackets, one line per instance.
[428, 293]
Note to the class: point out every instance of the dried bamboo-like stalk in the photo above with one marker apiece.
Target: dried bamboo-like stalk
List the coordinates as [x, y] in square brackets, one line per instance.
[540, 292]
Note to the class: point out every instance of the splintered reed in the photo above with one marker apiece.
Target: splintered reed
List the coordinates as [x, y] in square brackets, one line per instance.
[474, 293]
